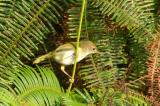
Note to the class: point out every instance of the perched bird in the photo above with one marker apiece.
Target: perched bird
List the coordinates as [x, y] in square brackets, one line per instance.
[65, 53]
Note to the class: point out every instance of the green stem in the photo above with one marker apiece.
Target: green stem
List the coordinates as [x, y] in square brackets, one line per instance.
[77, 46]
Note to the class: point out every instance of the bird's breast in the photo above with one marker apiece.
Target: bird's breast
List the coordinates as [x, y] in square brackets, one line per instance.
[81, 54]
[67, 57]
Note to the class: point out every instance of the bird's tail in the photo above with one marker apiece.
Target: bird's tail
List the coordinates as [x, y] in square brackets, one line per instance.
[43, 57]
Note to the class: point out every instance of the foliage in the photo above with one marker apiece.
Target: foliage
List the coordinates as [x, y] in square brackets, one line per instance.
[153, 70]
[30, 87]
[121, 29]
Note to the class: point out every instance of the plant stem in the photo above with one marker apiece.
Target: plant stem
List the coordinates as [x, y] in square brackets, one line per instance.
[77, 46]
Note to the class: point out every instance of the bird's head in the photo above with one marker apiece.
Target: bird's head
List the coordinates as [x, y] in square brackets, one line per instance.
[89, 47]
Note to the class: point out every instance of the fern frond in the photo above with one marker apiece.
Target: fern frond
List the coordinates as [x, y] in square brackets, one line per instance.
[86, 96]
[69, 102]
[116, 97]
[7, 98]
[102, 71]
[93, 23]
[29, 23]
[153, 64]
[137, 99]
[132, 14]
[119, 98]
[6, 7]
[35, 87]
[32, 87]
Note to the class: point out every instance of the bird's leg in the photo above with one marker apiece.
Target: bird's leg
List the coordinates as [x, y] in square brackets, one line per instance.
[63, 70]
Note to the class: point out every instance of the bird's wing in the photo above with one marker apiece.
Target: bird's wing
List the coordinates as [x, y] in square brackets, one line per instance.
[64, 48]
[64, 54]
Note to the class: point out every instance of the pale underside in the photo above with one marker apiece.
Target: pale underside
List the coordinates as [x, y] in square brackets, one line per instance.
[67, 58]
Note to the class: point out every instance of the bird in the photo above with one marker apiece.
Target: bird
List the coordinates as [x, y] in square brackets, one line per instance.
[65, 53]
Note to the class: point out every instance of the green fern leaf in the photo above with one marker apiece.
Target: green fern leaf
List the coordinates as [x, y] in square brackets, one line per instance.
[132, 14]
[29, 22]
[32, 87]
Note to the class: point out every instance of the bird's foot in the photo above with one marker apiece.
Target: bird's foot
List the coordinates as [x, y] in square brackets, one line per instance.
[71, 80]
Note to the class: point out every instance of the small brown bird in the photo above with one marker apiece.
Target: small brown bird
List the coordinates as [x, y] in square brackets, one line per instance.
[65, 53]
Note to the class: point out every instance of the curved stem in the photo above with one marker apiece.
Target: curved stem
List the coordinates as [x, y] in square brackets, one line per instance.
[77, 46]
[85, 20]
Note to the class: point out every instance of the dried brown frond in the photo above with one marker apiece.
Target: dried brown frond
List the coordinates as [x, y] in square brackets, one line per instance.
[153, 101]
[153, 81]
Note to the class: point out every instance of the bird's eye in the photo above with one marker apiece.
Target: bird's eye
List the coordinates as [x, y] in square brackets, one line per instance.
[94, 49]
